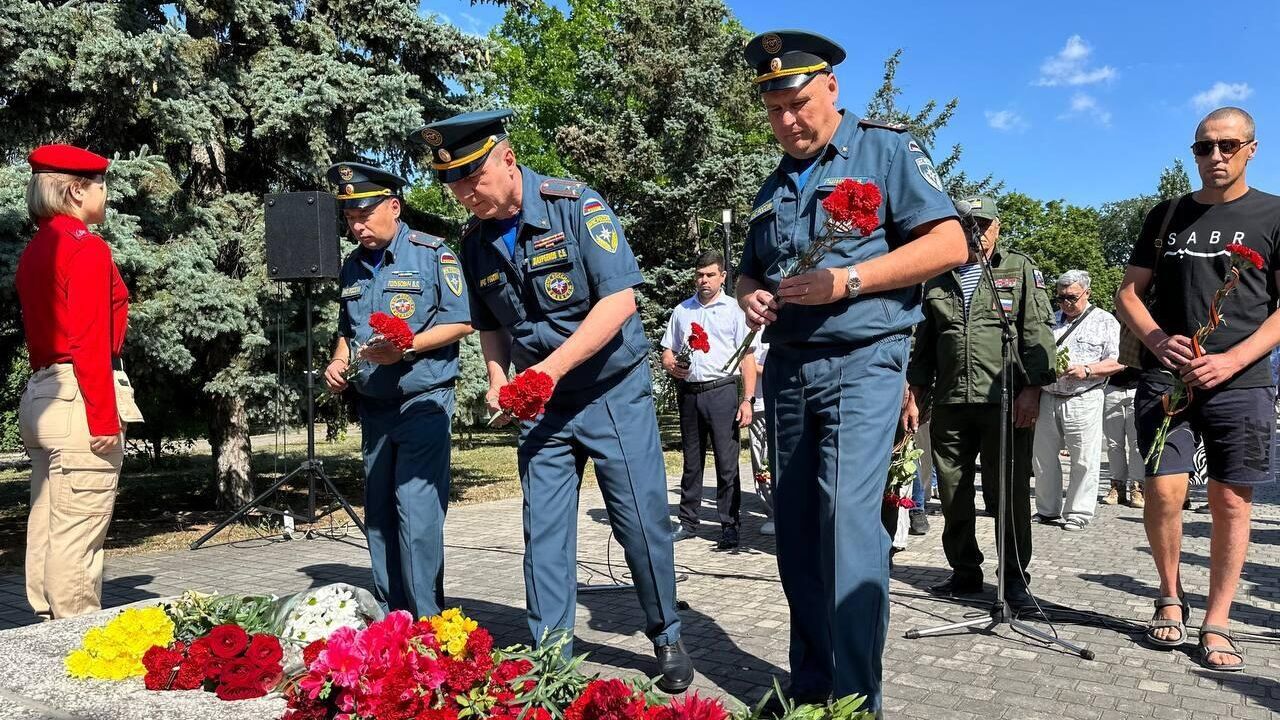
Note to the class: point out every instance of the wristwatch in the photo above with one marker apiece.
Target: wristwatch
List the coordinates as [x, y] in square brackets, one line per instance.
[1088, 372]
[853, 285]
[409, 355]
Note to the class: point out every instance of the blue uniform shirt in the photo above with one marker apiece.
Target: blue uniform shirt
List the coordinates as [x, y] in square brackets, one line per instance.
[570, 252]
[418, 280]
[788, 214]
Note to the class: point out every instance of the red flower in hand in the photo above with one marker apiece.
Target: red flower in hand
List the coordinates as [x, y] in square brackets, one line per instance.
[228, 641]
[855, 203]
[1246, 253]
[526, 396]
[698, 338]
[396, 331]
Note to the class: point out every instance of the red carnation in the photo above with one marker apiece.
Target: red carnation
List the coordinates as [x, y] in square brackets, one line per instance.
[190, 675]
[393, 329]
[228, 641]
[312, 651]
[159, 659]
[264, 650]
[1246, 253]
[698, 339]
[855, 203]
[695, 707]
[607, 700]
[526, 396]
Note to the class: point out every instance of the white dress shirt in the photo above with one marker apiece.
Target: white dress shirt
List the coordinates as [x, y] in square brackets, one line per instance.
[1097, 339]
[726, 327]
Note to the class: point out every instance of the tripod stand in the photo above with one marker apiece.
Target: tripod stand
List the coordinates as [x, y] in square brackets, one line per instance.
[311, 468]
[1001, 612]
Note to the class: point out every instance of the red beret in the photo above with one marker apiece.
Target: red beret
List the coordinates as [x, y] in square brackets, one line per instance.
[66, 159]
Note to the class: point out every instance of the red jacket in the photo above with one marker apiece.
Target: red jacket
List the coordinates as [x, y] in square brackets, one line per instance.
[75, 308]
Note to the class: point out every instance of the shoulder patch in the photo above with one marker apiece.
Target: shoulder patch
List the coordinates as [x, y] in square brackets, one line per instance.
[760, 212]
[470, 226]
[1039, 279]
[869, 123]
[425, 240]
[557, 187]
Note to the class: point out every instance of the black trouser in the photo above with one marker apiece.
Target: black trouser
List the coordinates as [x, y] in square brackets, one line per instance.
[960, 433]
[710, 415]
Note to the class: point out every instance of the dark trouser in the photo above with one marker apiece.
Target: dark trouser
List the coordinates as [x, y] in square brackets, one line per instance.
[710, 415]
[959, 434]
[616, 427]
[406, 466]
[832, 414]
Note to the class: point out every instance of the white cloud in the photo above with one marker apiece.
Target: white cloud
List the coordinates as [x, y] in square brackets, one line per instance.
[1083, 105]
[1006, 120]
[1071, 66]
[1220, 94]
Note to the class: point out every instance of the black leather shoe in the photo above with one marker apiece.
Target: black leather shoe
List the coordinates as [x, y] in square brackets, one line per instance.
[957, 586]
[675, 668]
[683, 533]
[919, 524]
[1021, 603]
[728, 539]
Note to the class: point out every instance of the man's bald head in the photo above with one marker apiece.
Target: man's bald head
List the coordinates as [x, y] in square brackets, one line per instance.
[1230, 113]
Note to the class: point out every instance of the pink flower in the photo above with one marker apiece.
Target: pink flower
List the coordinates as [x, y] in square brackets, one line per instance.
[341, 660]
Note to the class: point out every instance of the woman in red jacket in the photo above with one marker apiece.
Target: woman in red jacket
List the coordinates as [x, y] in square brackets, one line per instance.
[74, 310]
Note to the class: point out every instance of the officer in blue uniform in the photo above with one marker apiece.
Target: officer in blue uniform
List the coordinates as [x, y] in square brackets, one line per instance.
[552, 280]
[839, 339]
[404, 397]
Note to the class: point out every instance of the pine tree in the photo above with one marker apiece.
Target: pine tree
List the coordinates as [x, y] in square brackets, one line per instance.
[210, 104]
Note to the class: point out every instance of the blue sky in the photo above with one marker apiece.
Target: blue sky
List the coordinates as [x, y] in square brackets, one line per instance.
[1085, 100]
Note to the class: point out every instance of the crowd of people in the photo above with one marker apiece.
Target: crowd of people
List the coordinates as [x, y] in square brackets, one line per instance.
[898, 328]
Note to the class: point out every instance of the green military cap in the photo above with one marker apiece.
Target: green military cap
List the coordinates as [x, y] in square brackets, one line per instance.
[983, 206]
[357, 185]
[786, 59]
[460, 144]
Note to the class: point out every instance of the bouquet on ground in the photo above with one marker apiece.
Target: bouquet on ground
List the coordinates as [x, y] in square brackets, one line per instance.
[525, 397]
[1178, 398]
[315, 614]
[115, 651]
[852, 206]
[902, 473]
[386, 328]
[698, 341]
[228, 661]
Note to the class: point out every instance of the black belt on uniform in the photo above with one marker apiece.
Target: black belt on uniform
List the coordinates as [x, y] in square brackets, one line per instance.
[116, 364]
[699, 387]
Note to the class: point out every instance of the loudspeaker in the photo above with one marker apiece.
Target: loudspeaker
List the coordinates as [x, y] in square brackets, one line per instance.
[302, 236]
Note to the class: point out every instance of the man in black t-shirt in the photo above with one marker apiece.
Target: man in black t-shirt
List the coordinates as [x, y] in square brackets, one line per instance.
[1232, 396]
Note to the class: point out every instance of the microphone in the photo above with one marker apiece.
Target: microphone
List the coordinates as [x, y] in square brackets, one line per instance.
[971, 233]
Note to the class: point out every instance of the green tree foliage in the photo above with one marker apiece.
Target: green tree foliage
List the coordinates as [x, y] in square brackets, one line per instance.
[1059, 237]
[234, 100]
[1120, 221]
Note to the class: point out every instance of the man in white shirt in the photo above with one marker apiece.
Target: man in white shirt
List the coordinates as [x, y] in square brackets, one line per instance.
[710, 406]
[1071, 408]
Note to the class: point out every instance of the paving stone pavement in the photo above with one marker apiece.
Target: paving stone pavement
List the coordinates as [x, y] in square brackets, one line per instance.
[736, 624]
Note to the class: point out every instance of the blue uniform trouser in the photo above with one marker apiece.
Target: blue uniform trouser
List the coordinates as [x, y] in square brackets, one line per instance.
[406, 466]
[614, 425]
[831, 416]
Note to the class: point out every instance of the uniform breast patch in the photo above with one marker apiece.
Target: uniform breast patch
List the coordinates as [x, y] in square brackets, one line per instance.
[547, 241]
[351, 292]
[491, 279]
[1006, 283]
[401, 305]
[558, 286]
[559, 256]
[404, 284]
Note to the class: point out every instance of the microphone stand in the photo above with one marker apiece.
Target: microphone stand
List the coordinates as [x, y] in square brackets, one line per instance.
[1001, 613]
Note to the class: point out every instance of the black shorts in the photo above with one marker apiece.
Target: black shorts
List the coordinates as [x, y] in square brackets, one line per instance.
[1236, 425]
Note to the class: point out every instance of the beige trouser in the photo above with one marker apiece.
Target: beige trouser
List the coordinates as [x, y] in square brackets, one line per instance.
[73, 493]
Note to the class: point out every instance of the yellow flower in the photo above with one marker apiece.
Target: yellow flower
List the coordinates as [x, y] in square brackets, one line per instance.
[78, 664]
[114, 651]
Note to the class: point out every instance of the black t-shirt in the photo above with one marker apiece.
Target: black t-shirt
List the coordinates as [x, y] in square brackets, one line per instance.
[1193, 264]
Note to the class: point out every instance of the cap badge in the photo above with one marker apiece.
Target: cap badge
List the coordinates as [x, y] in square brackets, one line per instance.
[771, 43]
[345, 172]
[432, 136]
[775, 64]
[444, 155]
[349, 190]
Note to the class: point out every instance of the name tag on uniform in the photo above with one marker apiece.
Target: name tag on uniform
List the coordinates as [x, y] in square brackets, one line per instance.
[760, 212]
[1006, 283]
[352, 292]
[551, 258]
[404, 285]
[491, 279]
[548, 241]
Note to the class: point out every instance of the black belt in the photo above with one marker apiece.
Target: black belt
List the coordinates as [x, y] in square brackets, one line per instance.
[700, 387]
[116, 364]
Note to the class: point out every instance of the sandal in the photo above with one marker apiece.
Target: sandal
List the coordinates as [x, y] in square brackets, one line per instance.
[1157, 622]
[1232, 648]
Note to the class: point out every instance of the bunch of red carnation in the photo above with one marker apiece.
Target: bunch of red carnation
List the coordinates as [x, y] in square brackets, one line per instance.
[392, 329]
[615, 700]
[854, 203]
[893, 500]
[526, 396]
[227, 661]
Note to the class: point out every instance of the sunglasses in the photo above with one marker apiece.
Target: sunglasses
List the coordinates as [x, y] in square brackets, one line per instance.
[1201, 148]
[1066, 298]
